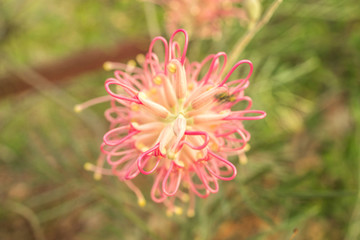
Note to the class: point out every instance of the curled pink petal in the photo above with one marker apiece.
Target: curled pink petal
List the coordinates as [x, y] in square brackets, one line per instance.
[206, 179]
[195, 188]
[166, 46]
[143, 159]
[118, 96]
[174, 182]
[182, 59]
[227, 163]
[116, 140]
[238, 86]
[235, 67]
[215, 66]
[197, 133]
[155, 190]
[239, 115]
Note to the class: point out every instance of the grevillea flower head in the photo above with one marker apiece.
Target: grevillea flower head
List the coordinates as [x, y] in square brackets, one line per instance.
[174, 121]
[204, 18]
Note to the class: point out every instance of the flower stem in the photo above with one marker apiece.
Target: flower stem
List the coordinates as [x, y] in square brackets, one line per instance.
[250, 33]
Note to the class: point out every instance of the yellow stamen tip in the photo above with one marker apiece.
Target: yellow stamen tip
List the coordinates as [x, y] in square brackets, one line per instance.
[142, 95]
[97, 176]
[140, 58]
[131, 63]
[178, 211]
[185, 197]
[190, 213]
[247, 147]
[214, 147]
[172, 67]
[77, 108]
[179, 162]
[157, 80]
[88, 166]
[171, 155]
[225, 111]
[190, 86]
[134, 107]
[243, 159]
[140, 146]
[169, 213]
[135, 124]
[107, 66]
[163, 150]
[199, 155]
[141, 202]
[153, 91]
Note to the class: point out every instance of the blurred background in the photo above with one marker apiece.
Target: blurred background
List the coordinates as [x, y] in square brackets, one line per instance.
[302, 176]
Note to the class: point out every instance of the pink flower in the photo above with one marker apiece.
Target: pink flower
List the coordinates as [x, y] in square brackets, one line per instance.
[205, 18]
[173, 120]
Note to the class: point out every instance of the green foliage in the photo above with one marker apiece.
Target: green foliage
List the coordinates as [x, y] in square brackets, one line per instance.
[303, 170]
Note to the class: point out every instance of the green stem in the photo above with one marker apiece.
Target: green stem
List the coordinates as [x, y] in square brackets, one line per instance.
[353, 227]
[250, 33]
[151, 20]
[30, 216]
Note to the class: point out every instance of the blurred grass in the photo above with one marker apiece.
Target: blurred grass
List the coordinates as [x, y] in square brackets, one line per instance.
[303, 169]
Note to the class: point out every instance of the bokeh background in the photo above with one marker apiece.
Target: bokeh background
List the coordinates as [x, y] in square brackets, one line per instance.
[303, 171]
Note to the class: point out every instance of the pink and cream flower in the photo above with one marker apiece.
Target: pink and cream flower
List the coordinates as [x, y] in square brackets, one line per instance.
[174, 120]
[205, 18]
